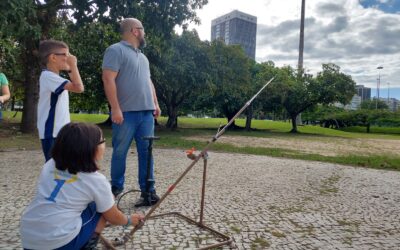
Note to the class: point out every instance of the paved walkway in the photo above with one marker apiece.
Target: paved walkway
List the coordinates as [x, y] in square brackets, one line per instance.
[262, 202]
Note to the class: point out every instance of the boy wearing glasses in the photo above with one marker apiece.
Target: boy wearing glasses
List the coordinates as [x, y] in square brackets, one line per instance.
[53, 107]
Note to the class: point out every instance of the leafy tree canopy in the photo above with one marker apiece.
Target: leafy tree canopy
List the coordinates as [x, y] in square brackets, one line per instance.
[28, 21]
[299, 92]
[182, 74]
[231, 78]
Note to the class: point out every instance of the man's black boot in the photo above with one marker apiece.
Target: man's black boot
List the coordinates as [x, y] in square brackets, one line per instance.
[116, 191]
[147, 199]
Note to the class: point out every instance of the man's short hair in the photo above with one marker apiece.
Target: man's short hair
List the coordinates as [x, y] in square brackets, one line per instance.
[75, 148]
[47, 47]
[127, 24]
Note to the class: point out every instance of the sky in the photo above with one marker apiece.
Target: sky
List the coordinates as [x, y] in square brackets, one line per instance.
[357, 35]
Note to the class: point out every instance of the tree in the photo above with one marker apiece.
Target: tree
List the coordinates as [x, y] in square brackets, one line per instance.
[231, 78]
[325, 115]
[297, 93]
[88, 44]
[183, 73]
[255, 68]
[263, 72]
[363, 117]
[373, 104]
[28, 22]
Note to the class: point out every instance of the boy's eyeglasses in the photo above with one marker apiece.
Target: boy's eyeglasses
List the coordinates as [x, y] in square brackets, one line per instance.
[102, 141]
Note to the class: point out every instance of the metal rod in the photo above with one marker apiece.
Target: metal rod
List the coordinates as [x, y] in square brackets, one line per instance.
[203, 190]
[107, 243]
[202, 154]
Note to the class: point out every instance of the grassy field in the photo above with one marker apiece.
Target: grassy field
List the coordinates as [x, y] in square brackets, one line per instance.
[190, 128]
[376, 130]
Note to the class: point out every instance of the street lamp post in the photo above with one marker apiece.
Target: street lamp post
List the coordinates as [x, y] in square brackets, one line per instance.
[378, 84]
[388, 101]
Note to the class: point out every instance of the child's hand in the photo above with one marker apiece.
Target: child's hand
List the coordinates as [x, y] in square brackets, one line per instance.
[136, 219]
[71, 61]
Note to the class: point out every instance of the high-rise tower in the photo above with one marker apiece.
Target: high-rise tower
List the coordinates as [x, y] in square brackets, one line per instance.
[236, 27]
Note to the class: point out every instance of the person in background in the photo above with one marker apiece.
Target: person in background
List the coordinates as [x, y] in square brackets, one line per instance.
[4, 91]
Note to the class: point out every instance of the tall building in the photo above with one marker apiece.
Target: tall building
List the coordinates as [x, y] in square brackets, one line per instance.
[236, 28]
[363, 92]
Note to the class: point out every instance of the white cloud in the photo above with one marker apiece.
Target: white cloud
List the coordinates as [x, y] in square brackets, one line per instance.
[342, 31]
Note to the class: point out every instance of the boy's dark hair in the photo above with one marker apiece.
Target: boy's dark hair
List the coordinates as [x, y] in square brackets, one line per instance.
[48, 47]
[75, 147]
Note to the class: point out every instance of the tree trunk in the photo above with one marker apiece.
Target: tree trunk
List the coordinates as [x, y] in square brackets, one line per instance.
[294, 124]
[29, 115]
[12, 103]
[249, 117]
[229, 117]
[368, 127]
[172, 122]
[108, 122]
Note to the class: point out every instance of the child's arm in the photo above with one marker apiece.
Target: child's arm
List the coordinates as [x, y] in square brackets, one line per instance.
[6, 94]
[116, 217]
[75, 85]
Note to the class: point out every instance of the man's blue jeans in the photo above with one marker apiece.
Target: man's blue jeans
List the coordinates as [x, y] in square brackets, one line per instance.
[136, 125]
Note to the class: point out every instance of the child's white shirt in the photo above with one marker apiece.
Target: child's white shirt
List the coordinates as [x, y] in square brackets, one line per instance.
[53, 106]
[53, 218]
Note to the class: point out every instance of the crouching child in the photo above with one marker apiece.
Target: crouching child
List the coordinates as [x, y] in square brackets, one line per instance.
[73, 200]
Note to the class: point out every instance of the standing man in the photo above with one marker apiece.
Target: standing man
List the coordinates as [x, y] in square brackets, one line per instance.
[134, 105]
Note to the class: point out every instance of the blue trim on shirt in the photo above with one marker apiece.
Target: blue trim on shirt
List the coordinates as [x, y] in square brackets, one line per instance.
[60, 89]
[49, 125]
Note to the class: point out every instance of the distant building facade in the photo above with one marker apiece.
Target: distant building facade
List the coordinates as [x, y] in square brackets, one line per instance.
[236, 27]
[392, 103]
[354, 104]
[363, 92]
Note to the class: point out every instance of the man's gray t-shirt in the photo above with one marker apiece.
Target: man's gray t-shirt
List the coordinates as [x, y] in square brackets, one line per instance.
[134, 91]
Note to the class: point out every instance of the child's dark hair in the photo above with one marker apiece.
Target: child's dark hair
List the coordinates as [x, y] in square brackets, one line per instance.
[48, 47]
[75, 147]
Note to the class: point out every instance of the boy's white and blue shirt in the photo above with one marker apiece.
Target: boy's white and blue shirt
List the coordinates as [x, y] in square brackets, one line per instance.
[53, 107]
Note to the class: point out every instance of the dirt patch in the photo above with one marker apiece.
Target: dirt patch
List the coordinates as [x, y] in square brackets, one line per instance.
[317, 145]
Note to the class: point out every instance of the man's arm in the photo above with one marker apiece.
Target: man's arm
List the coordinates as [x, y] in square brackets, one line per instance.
[157, 111]
[110, 89]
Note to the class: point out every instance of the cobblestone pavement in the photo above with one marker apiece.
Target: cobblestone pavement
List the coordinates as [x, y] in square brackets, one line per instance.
[261, 202]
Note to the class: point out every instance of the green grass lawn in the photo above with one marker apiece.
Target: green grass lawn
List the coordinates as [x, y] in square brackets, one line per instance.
[277, 128]
[374, 130]
[208, 127]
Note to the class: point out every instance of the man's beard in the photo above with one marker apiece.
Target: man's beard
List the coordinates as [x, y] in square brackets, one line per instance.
[142, 44]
